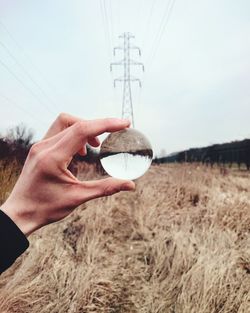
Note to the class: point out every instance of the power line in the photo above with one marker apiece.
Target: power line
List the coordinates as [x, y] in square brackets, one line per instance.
[26, 72]
[118, 17]
[139, 16]
[163, 24]
[27, 56]
[107, 21]
[111, 22]
[149, 21]
[107, 37]
[164, 27]
[105, 26]
[12, 102]
[24, 86]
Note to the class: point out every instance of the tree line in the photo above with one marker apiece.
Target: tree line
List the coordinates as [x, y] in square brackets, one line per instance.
[237, 152]
[15, 145]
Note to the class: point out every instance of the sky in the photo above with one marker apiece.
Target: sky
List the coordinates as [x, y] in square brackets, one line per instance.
[55, 57]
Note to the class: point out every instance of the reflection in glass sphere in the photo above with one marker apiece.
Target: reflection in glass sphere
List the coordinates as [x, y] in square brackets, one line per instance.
[126, 154]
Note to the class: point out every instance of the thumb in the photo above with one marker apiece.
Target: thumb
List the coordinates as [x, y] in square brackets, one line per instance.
[104, 187]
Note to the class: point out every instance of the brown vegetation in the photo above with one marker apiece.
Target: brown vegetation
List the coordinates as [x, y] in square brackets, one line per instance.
[16, 144]
[179, 244]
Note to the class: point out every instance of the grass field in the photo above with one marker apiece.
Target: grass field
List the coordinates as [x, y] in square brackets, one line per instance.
[179, 244]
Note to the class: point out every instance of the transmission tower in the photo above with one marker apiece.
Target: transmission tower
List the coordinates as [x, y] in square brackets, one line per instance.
[126, 62]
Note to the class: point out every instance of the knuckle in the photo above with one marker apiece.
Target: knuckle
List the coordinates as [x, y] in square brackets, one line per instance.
[43, 161]
[108, 122]
[110, 190]
[81, 127]
[63, 117]
[34, 150]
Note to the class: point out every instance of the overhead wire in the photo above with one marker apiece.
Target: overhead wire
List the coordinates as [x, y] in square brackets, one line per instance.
[139, 19]
[149, 19]
[118, 17]
[158, 30]
[157, 39]
[108, 39]
[12, 102]
[27, 88]
[140, 10]
[27, 73]
[106, 27]
[165, 19]
[113, 37]
[111, 22]
[28, 57]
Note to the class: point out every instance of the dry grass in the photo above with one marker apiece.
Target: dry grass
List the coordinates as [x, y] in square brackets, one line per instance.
[9, 173]
[179, 244]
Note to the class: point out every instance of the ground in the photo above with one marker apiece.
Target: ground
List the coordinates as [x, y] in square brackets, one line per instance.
[179, 244]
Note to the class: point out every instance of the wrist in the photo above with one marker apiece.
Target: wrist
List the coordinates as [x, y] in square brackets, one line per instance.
[22, 220]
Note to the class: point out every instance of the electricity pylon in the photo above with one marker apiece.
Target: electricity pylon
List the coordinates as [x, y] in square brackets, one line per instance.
[126, 62]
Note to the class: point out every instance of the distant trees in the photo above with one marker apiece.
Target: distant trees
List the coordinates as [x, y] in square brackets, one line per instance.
[16, 143]
[237, 152]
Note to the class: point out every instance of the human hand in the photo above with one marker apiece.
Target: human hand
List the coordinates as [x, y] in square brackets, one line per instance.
[46, 190]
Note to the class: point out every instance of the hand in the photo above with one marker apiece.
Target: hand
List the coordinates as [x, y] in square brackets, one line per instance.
[46, 190]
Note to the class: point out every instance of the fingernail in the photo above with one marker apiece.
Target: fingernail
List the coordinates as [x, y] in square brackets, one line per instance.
[125, 120]
[128, 187]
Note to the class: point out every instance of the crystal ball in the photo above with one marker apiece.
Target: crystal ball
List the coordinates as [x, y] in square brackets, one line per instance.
[126, 154]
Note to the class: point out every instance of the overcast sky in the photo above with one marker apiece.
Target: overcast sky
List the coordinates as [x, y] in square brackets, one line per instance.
[55, 55]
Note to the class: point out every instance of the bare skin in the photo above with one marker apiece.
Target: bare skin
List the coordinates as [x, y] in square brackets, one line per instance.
[46, 190]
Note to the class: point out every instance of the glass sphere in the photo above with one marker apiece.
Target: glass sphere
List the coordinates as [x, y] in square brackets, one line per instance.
[126, 154]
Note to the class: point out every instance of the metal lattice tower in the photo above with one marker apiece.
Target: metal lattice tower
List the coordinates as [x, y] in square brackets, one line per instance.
[126, 62]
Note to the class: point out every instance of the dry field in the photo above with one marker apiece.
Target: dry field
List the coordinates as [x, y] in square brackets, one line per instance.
[179, 244]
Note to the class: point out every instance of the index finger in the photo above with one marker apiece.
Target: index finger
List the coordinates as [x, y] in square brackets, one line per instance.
[77, 135]
[62, 121]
